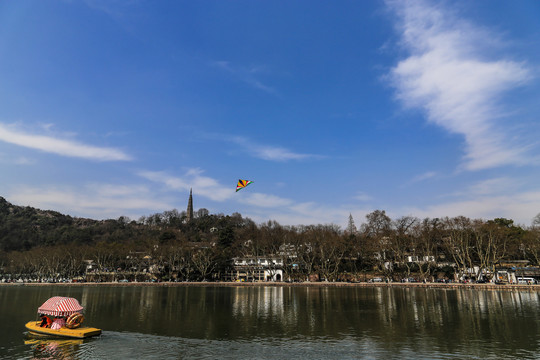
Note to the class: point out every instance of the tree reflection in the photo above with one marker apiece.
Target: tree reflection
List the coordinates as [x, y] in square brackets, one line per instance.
[468, 321]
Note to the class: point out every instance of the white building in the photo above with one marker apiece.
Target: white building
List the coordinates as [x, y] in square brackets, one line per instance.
[253, 268]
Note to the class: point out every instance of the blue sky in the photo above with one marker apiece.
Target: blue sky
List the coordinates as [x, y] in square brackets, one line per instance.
[118, 108]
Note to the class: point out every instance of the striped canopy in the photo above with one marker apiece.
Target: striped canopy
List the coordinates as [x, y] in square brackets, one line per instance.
[60, 306]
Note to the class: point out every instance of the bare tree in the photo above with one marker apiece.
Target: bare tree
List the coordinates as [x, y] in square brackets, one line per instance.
[185, 264]
[483, 238]
[459, 242]
[330, 248]
[172, 217]
[378, 224]
[272, 237]
[428, 235]
[204, 261]
[305, 245]
[402, 241]
[536, 221]
[377, 232]
[531, 245]
[202, 212]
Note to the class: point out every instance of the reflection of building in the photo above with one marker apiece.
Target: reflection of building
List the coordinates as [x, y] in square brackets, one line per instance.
[254, 268]
[259, 302]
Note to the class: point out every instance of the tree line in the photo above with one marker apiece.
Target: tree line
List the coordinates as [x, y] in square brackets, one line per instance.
[47, 244]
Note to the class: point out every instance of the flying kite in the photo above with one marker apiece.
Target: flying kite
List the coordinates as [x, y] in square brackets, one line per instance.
[242, 184]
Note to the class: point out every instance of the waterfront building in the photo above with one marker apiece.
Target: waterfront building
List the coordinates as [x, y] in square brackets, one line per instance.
[255, 268]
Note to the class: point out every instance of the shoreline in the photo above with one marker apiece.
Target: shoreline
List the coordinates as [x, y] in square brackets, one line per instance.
[506, 287]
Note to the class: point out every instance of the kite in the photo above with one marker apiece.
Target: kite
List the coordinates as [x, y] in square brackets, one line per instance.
[242, 184]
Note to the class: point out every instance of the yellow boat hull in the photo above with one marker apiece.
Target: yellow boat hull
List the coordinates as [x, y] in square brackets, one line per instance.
[78, 333]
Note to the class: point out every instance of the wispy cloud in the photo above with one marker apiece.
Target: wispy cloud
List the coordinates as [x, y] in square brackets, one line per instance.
[515, 206]
[449, 74]
[258, 206]
[19, 160]
[249, 75]
[265, 200]
[193, 178]
[97, 201]
[265, 152]
[106, 201]
[424, 176]
[312, 213]
[114, 8]
[59, 146]
[494, 186]
[505, 196]
[361, 196]
[420, 178]
[309, 213]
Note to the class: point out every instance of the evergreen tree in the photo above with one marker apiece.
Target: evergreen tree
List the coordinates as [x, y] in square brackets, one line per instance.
[351, 228]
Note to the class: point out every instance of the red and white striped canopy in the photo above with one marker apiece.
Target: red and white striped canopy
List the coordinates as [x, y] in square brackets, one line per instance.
[60, 306]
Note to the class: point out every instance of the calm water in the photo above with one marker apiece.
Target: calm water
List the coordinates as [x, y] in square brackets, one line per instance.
[280, 322]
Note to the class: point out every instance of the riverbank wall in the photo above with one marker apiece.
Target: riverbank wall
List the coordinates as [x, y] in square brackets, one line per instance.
[505, 287]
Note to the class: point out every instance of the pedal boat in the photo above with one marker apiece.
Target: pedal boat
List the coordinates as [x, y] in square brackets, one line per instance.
[62, 307]
[78, 333]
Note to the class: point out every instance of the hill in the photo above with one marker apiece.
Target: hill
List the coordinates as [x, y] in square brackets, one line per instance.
[24, 227]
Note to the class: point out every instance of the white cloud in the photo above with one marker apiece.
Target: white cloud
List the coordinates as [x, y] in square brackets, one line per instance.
[449, 76]
[193, 179]
[113, 8]
[494, 186]
[265, 200]
[488, 187]
[247, 75]
[519, 207]
[300, 214]
[361, 196]
[267, 152]
[58, 146]
[486, 199]
[311, 213]
[97, 201]
[106, 201]
[425, 176]
[20, 160]
[419, 178]
[257, 206]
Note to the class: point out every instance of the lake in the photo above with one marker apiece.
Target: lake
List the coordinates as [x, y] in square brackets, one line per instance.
[156, 322]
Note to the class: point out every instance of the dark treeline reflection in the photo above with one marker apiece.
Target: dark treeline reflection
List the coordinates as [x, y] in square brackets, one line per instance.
[405, 319]
[448, 317]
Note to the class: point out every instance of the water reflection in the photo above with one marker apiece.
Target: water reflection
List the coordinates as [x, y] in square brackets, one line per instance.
[462, 319]
[53, 348]
[391, 322]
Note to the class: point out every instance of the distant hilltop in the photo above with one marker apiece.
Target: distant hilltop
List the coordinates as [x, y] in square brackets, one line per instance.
[24, 227]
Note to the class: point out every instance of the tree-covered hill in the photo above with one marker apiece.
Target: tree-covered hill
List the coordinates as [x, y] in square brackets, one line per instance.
[24, 227]
[44, 242]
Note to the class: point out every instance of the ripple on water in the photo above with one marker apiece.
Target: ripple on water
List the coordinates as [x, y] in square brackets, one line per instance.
[130, 345]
